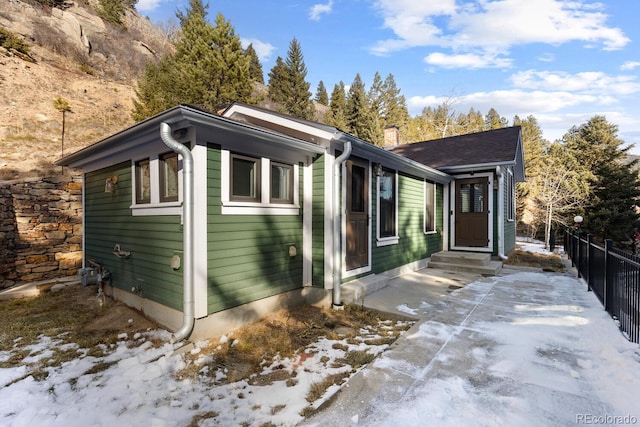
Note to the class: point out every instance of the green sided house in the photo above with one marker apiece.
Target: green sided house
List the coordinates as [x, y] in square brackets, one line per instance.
[485, 167]
[209, 221]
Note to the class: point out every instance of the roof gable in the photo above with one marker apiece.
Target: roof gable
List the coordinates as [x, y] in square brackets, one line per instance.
[474, 150]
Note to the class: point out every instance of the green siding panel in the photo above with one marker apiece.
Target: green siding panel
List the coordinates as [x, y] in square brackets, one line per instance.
[248, 255]
[152, 240]
[413, 243]
[318, 215]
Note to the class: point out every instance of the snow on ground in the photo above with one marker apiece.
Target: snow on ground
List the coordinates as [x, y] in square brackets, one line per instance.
[535, 350]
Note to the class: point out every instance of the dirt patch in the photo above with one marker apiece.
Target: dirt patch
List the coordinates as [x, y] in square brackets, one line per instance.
[121, 318]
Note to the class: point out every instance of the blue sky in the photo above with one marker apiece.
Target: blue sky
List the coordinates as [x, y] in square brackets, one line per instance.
[560, 61]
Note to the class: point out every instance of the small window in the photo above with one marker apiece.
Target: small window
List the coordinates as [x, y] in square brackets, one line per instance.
[510, 199]
[430, 207]
[245, 178]
[143, 181]
[387, 201]
[169, 177]
[281, 183]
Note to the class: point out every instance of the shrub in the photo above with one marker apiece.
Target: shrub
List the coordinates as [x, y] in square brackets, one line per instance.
[8, 40]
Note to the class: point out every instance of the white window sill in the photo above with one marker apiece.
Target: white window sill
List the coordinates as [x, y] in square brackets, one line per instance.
[239, 208]
[431, 232]
[151, 209]
[385, 241]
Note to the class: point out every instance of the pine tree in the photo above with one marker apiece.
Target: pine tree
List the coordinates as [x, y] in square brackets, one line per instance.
[360, 122]
[255, 68]
[338, 107]
[290, 89]
[610, 211]
[377, 110]
[394, 105]
[322, 97]
[279, 82]
[493, 120]
[208, 69]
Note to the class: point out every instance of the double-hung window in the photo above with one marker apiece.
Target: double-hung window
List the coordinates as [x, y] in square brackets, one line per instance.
[143, 181]
[387, 207]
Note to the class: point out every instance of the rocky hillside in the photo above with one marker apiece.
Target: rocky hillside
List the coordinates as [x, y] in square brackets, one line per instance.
[76, 56]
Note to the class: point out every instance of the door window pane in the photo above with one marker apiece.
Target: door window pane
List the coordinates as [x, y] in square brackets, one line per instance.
[357, 188]
[478, 198]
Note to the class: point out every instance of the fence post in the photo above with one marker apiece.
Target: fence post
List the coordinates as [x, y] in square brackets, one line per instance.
[578, 263]
[588, 269]
[608, 244]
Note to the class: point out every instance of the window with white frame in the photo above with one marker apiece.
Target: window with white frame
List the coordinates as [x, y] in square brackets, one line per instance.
[387, 206]
[156, 185]
[429, 207]
[245, 178]
[258, 185]
[143, 181]
[168, 177]
[510, 196]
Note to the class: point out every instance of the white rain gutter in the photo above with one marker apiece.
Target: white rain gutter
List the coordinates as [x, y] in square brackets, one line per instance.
[337, 265]
[187, 239]
[500, 221]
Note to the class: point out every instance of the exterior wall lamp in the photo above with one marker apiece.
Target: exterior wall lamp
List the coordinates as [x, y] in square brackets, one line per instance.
[111, 184]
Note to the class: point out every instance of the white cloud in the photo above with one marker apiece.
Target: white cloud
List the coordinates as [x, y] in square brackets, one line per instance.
[630, 65]
[494, 25]
[263, 49]
[468, 61]
[589, 82]
[317, 10]
[147, 5]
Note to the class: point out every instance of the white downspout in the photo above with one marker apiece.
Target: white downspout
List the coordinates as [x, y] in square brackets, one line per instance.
[500, 221]
[337, 252]
[187, 239]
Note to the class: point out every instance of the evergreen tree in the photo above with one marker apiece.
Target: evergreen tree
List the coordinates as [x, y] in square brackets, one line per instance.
[360, 122]
[377, 110]
[610, 210]
[208, 69]
[279, 82]
[290, 89]
[322, 97]
[338, 107]
[493, 120]
[394, 105]
[255, 68]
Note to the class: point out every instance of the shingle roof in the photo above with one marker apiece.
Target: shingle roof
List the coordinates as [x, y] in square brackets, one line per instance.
[489, 147]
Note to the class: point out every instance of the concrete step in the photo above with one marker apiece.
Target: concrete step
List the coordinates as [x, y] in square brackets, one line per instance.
[471, 258]
[355, 291]
[491, 268]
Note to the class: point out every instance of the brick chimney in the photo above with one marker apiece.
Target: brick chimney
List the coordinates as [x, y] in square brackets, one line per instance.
[391, 136]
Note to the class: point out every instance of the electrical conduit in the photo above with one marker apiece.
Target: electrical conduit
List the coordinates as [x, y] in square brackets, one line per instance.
[187, 240]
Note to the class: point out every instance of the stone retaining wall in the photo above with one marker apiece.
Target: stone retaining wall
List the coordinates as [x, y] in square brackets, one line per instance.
[40, 229]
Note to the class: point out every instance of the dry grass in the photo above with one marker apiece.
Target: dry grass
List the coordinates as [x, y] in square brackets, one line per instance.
[73, 318]
[243, 353]
[551, 263]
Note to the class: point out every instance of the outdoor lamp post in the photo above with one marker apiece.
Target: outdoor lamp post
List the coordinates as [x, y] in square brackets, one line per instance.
[578, 220]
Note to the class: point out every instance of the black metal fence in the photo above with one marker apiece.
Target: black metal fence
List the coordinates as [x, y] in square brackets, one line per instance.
[612, 275]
